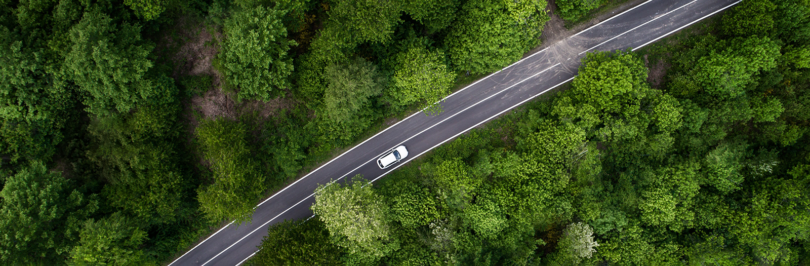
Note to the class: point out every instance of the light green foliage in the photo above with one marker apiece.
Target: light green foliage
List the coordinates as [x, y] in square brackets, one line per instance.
[421, 77]
[726, 74]
[137, 156]
[350, 88]
[356, 218]
[364, 20]
[723, 166]
[434, 14]
[147, 9]
[611, 100]
[414, 208]
[751, 17]
[38, 215]
[254, 56]
[297, 243]
[573, 10]
[669, 198]
[576, 244]
[491, 34]
[238, 180]
[112, 240]
[628, 247]
[110, 62]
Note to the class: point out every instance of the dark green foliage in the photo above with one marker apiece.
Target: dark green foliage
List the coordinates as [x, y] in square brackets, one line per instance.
[364, 20]
[109, 61]
[434, 14]
[573, 10]
[137, 155]
[40, 216]
[752, 17]
[255, 59]
[298, 243]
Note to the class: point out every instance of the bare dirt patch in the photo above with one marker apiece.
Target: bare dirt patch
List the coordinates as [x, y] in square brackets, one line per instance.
[657, 71]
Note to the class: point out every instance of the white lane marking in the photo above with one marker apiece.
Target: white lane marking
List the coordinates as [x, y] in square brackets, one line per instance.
[468, 129]
[639, 26]
[263, 226]
[206, 239]
[687, 25]
[374, 158]
[244, 260]
[600, 23]
[490, 75]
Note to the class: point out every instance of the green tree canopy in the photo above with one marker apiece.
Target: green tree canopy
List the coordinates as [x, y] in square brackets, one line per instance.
[39, 216]
[298, 243]
[238, 180]
[752, 17]
[364, 20]
[110, 63]
[350, 88]
[421, 77]
[137, 155]
[434, 14]
[254, 53]
[491, 34]
[356, 218]
[113, 240]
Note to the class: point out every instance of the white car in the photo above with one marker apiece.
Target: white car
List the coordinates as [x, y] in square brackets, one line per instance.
[393, 156]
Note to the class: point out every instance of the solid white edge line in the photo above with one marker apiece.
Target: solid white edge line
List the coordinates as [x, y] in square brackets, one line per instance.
[257, 229]
[639, 26]
[244, 260]
[373, 158]
[479, 123]
[206, 239]
[600, 23]
[687, 25]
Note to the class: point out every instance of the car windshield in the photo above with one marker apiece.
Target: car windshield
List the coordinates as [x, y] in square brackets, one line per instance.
[396, 154]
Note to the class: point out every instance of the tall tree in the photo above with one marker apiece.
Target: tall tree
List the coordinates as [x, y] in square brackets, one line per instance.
[491, 34]
[364, 20]
[434, 14]
[254, 53]
[298, 243]
[356, 218]
[421, 77]
[238, 180]
[110, 63]
[350, 88]
[39, 216]
[112, 240]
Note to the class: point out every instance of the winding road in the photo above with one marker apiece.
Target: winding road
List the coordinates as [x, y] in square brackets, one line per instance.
[463, 110]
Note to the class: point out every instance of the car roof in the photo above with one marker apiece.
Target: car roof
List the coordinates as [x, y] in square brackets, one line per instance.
[388, 159]
[403, 152]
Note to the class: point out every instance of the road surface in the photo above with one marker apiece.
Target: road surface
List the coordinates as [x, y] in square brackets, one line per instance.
[462, 111]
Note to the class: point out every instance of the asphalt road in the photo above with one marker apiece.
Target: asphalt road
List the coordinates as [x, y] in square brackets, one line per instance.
[463, 110]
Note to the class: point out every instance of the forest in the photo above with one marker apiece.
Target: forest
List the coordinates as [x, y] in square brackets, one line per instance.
[705, 165]
[131, 129]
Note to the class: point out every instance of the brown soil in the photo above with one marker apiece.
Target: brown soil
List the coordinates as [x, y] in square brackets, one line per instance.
[657, 71]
